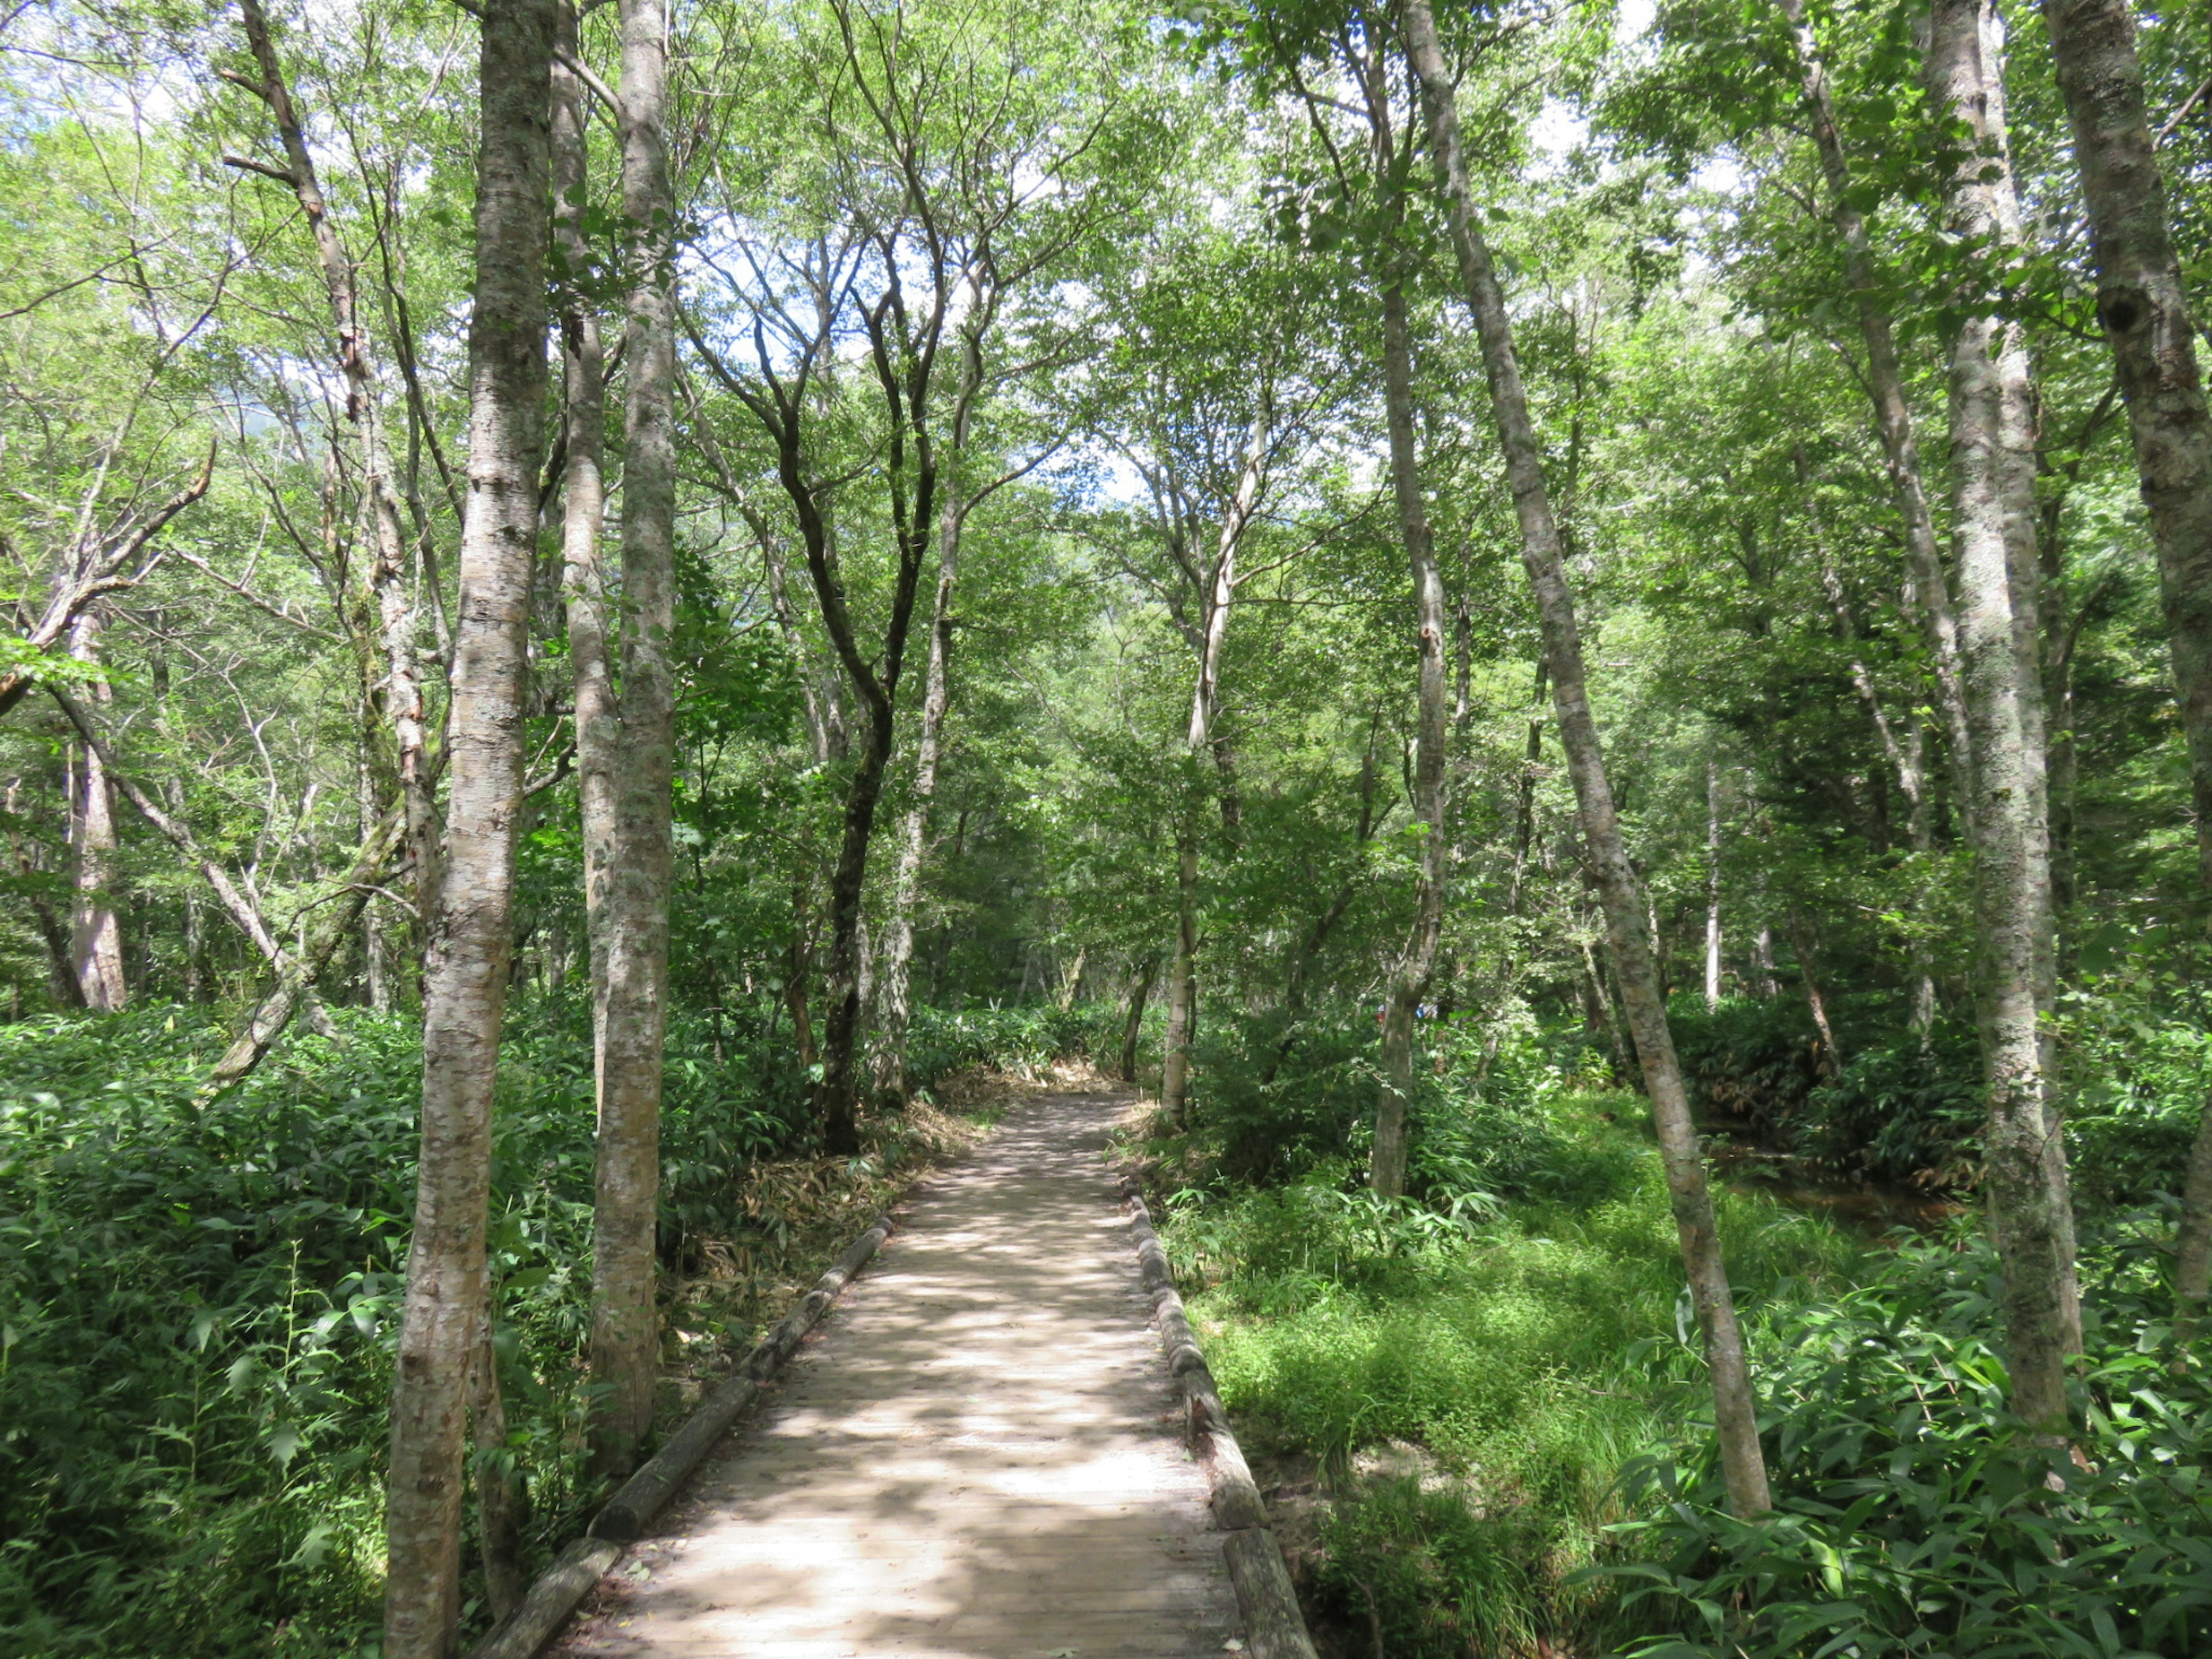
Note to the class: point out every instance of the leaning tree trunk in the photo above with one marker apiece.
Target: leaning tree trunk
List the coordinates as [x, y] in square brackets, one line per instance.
[1736, 1415]
[1885, 383]
[1905, 758]
[398, 692]
[1133, 1026]
[2030, 1211]
[636, 872]
[2144, 309]
[1386, 1168]
[465, 970]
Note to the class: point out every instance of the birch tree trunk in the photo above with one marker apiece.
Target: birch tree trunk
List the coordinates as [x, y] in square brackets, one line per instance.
[625, 1325]
[95, 940]
[1386, 1169]
[2030, 1214]
[2144, 309]
[465, 970]
[1735, 1416]
[1712, 884]
[1885, 381]
[1906, 758]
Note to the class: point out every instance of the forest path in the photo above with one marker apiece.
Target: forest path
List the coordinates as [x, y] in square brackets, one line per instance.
[978, 1457]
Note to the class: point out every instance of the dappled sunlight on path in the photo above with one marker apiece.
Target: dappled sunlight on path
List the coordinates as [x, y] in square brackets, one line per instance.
[979, 1456]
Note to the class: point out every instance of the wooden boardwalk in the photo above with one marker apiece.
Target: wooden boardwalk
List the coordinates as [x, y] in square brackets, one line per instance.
[977, 1456]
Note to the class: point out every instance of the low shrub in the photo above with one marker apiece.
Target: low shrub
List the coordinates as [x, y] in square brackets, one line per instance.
[1914, 1516]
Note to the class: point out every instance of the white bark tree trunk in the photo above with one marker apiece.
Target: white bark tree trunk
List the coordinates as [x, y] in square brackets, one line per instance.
[95, 940]
[471, 936]
[2030, 1215]
[636, 874]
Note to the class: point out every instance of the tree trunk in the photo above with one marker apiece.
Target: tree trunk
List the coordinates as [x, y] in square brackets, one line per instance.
[1712, 884]
[398, 692]
[2030, 1211]
[1182, 984]
[95, 940]
[465, 974]
[1885, 381]
[1905, 759]
[895, 973]
[625, 1325]
[1214, 602]
[1831, 1053]
[2143, 306]
[1073, 982]
[1736, 1414]
[502, 1506]
[1133, 1026]
[1386, 1169]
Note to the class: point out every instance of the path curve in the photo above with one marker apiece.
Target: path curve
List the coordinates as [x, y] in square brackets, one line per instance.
[976, 1457]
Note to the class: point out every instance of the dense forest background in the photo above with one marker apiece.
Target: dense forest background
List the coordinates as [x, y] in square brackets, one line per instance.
[1029, 568]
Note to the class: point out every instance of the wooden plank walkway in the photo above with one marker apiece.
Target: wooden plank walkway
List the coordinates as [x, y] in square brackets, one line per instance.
[977, 1458]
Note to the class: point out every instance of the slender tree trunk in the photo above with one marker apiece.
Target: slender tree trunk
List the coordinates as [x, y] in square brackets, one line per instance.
[95, 940]
[1133, 1026]
[625, 1325]
[399, 691]
[1762, 958]
[376, 952]
[1816, 1003]
[1892, 412]
[502, 1506]
[583, 364]
[1735, 1413]
[2030, 1210]
[1712, 884]
[1182, 984]
[1386, 1169]
[1218, 595]
[465, 974]
[1905, 759]
[2144, 309]
[1073, 982]
[895, 974]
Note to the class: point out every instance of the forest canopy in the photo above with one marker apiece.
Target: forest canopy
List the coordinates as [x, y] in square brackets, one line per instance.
[1580, 638]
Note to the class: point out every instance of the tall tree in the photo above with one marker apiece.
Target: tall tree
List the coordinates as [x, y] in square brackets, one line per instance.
[471, 937]
[1735, 1413]
[2144, 308]
[636, 844]
[2028, 1208]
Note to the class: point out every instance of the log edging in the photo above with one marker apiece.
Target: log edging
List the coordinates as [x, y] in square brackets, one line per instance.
[1274, 1626]
[561, 1587]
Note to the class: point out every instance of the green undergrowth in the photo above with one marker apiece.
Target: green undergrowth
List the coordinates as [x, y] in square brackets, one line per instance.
[1470, 1377]
[1484, 1412]
[197, 1305]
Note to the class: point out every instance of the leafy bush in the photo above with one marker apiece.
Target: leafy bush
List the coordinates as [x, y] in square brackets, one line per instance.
[1900, 1113]
[2146, 1078]
[1913, 1515]
[1752, 1062]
